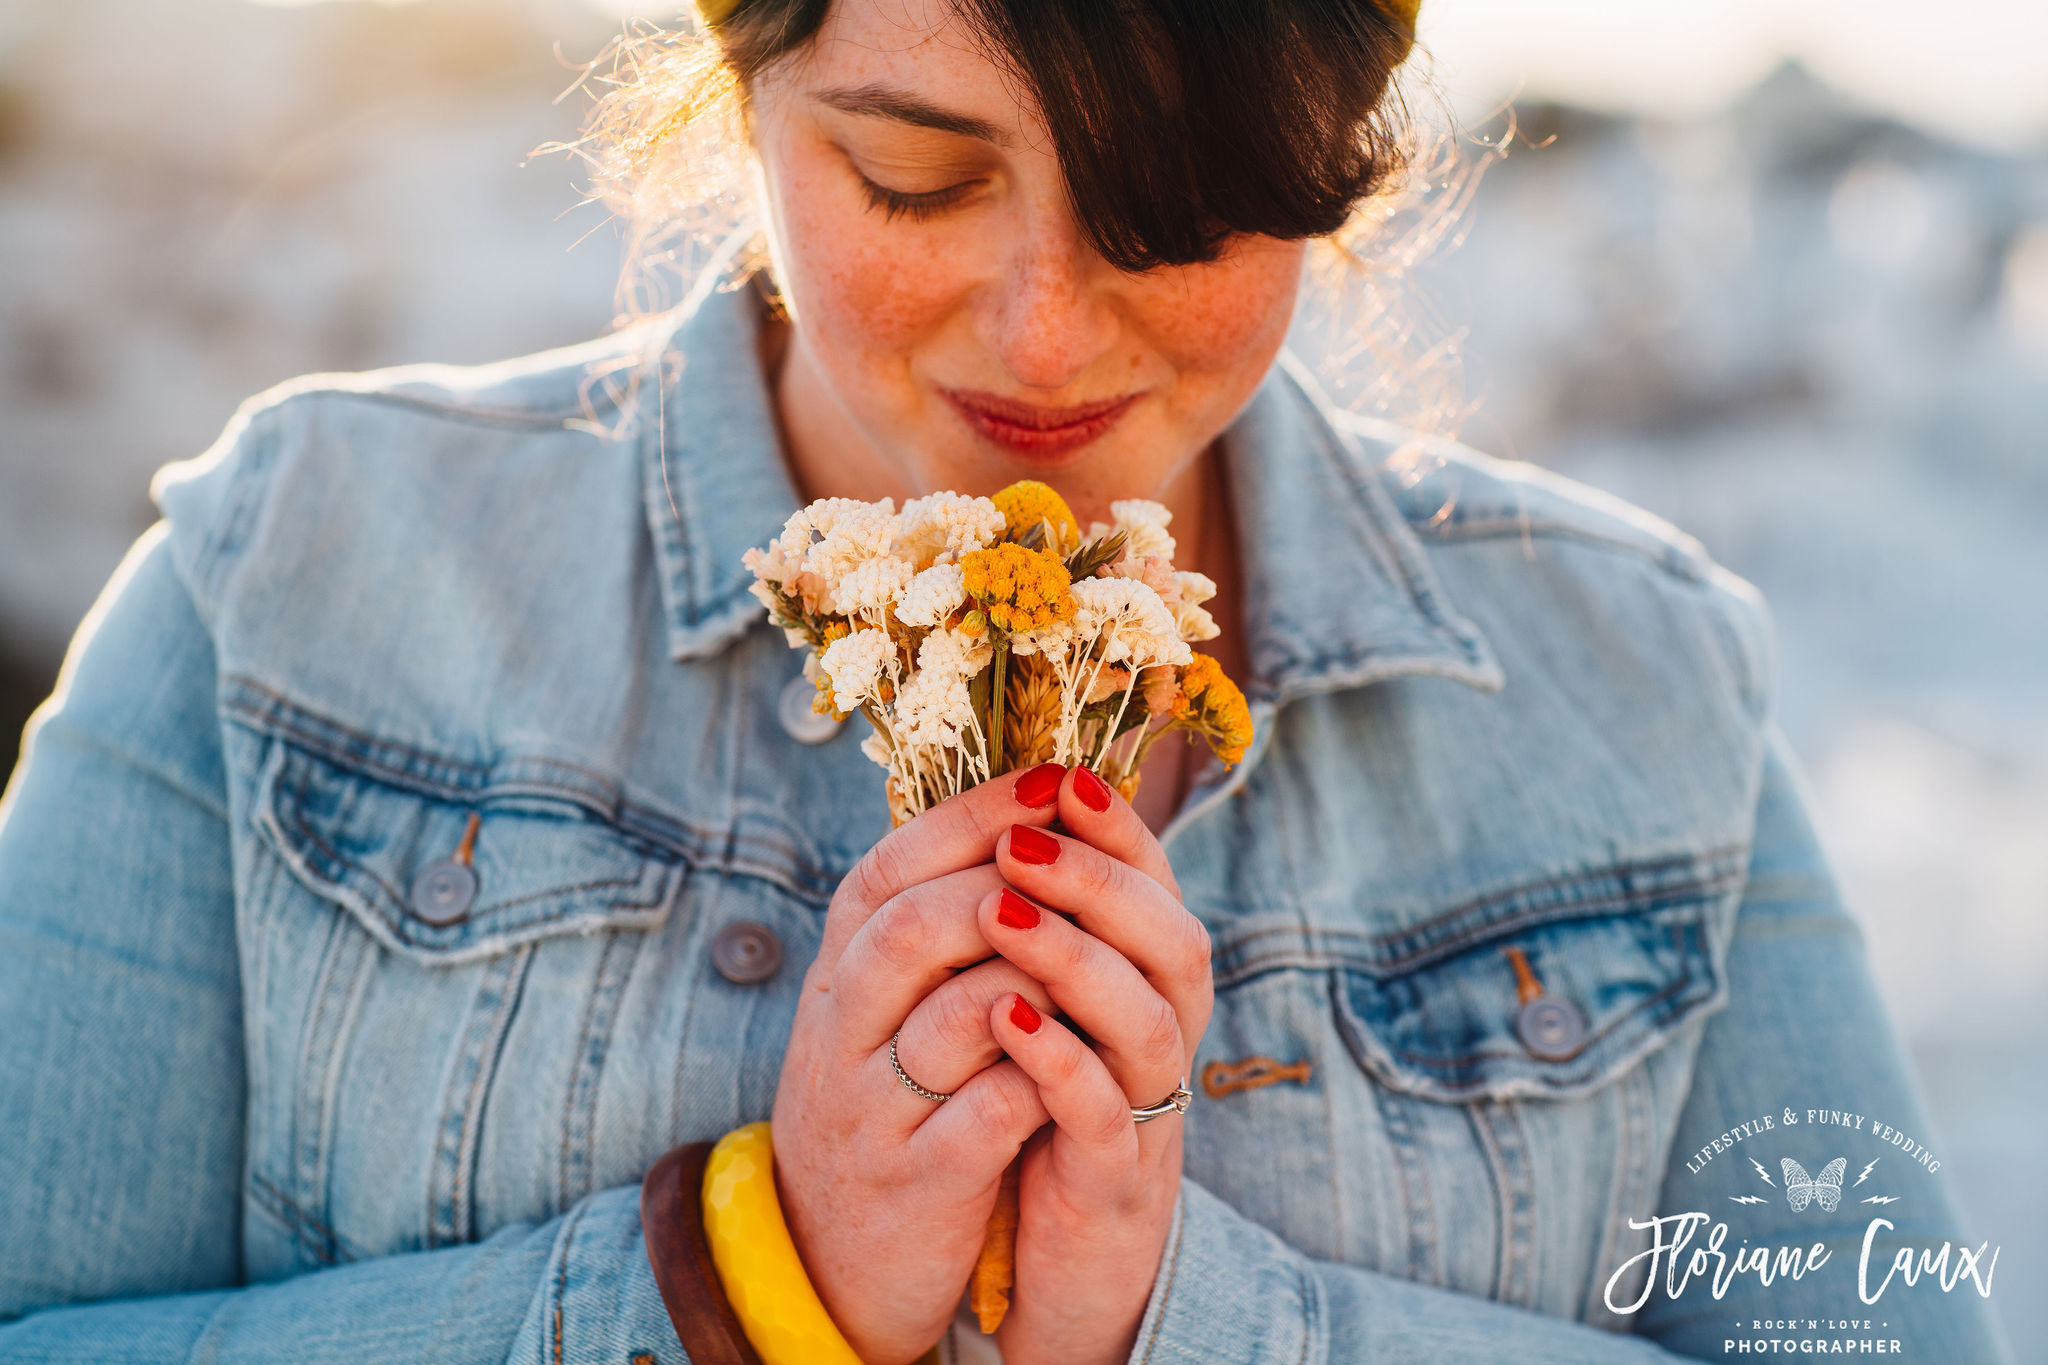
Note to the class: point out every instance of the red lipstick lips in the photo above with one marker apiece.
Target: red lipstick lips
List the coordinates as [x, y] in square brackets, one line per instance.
[1028, 429]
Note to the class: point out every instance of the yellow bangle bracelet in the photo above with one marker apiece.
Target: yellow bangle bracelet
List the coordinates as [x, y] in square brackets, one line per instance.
[757, 1263]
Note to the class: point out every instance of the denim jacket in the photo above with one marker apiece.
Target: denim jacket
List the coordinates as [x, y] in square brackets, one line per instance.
[1520, 926]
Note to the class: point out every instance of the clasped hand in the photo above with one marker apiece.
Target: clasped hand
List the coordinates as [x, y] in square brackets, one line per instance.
[1051, 982]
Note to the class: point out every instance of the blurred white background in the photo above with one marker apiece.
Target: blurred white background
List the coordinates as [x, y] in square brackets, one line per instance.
[1779, 272]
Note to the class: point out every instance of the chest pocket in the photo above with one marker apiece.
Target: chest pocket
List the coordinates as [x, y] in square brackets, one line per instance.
[441, 976]
[443, 879]
[1478, 1101]
[1547, 994]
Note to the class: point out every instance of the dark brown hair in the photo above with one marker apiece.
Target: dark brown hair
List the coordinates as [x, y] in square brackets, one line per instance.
[1177, 123]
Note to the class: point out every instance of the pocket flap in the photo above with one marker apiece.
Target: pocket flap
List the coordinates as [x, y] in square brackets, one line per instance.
[541, 865]
[1608, 986]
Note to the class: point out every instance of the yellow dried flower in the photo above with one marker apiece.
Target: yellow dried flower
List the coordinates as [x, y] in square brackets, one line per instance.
[1031, 711]
[1027, 502]
[1213, 706]
[1017, 588]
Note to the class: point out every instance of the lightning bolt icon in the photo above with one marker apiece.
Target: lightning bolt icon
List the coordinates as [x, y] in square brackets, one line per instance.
[1762, 1174]
[1882, 1199]
[1744, 1199]
[1866, 1173]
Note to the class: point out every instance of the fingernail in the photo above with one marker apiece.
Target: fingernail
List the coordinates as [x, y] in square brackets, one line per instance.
[1014, 912]
[1025, 1017]
[1028, 845]
[1092, 790]
[1040, 787]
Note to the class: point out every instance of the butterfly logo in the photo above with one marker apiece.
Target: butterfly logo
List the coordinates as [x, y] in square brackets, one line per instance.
[1824, 1189]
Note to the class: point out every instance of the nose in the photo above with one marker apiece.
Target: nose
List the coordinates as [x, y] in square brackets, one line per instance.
[1052, 313]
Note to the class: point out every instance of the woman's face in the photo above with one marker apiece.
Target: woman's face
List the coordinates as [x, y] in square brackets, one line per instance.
[952, 327]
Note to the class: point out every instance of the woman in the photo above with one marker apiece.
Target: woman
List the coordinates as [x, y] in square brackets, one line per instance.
[418, 848]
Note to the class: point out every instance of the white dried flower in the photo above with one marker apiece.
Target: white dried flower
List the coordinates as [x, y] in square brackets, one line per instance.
[869, 588]
[1144, 523]
[855, 663]
[1190, 618]
[954, 651]
[1055, 640]
[854, 534]
[940, 527]
[774, 564]
[1133, 625]
[931, 596]
[876, 748]
[933, 707]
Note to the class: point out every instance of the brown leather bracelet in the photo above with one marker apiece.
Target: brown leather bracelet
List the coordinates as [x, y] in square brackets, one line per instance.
[672, 1219]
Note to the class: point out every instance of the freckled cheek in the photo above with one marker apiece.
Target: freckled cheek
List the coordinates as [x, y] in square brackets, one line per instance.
[1215, 331]
[870, 287]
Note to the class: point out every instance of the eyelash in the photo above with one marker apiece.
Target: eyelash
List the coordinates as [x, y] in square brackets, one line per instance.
[915, 206]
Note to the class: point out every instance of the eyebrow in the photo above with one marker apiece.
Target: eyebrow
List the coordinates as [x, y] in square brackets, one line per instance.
[881, 101]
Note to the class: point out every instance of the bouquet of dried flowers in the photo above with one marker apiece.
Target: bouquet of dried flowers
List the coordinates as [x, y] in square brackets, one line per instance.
[983, 635]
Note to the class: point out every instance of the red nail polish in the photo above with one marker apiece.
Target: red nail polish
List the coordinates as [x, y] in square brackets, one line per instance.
[1092, 790]
[1014, 912]
[1035, 846]
[1025, 1017]
[1040, 787]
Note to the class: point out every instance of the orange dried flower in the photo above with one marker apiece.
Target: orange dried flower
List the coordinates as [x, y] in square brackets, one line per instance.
[1213, 706]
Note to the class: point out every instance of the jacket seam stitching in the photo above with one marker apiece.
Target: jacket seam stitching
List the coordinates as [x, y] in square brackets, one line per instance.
[1166, 1296]
[1584, 907]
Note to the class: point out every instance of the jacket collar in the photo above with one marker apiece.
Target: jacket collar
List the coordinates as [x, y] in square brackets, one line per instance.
[1338, 591]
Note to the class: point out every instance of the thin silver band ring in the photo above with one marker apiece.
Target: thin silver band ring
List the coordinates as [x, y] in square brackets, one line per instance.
[1176, 1103]
[904, 1076]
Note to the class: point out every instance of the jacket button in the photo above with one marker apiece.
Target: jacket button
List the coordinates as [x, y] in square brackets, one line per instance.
[804, 725]
[745, 952]
[444, 892]
[1551, 1029]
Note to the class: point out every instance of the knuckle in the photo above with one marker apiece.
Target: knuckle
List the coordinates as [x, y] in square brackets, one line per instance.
[958, 1020]
[1101, 876]
[1162, 1042]
[1076, 954]
[996, 1111]
[1196, 949]
[1111, 1120]
[897, 932]
[1064, 1068]
[884, 868]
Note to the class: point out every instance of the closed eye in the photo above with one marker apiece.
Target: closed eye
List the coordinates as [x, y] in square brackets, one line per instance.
[918, 206]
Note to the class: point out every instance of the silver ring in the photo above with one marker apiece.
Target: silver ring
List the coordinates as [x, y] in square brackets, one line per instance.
[1176, 1103]
[934, 1096]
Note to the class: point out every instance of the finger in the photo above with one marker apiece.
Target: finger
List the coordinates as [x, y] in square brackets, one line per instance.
[1121, 906]
[946, 1040]
[957, 833]
[1091, 810]
[916, 940]
[973, 1136]
[1135, 1029]
[1080, 1096]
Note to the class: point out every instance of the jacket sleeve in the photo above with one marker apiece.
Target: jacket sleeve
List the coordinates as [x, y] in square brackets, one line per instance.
[121, 1046]
[120, 999]
[576, 1289]
[1804, 1029]
[1802, 1026]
